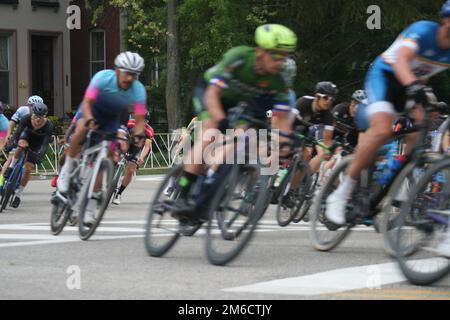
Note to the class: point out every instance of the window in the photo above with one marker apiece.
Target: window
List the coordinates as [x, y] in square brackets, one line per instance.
[4, 70]
[98, 55]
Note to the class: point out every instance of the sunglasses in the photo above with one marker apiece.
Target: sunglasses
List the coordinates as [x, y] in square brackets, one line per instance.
[326, 97]
[129, 73]
[277, 56]
[39, 117]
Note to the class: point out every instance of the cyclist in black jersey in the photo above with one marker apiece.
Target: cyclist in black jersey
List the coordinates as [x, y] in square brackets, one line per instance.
[34, 132]
[344, 117]
[316, 110]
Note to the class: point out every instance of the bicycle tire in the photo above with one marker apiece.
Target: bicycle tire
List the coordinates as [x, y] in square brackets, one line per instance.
[114, 184]
[385, 221]
[219, 228]
[406, 263]
[85, 232]
[303, 206]
[155, 218]
[58, 217]
[338, 233]
[300, 197]
[9, 189]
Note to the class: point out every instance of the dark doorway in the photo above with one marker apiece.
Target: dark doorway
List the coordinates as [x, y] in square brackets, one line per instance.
[42, 66]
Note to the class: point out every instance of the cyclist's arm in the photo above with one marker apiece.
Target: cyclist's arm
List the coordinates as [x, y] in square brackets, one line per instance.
[86, 108]
[213, 104]
[402, 67]
[146, 150]
[328, 137]
[11, 126]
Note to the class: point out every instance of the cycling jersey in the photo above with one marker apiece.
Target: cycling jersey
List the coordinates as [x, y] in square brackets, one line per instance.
[235, 75]
[106, 82]
[38, 139]
[381, 83]
[324, 117]
[3, 126]
[345, 123]
[21, 113]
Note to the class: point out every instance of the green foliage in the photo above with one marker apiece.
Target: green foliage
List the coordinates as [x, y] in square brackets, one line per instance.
[334, 41]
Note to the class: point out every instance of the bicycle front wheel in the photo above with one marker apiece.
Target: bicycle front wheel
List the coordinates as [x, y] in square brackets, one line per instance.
[162, 231]
[422, 225]
[103, 179]
[325, 235]
[237, 206]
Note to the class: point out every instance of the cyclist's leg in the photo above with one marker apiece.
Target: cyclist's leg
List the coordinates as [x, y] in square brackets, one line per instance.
[72, 152]
[383, 90]
[128, 175]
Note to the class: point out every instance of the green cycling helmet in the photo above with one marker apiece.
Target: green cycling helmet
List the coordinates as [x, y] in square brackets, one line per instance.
[275, 37]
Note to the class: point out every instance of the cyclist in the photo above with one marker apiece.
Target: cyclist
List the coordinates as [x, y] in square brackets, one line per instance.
[344, 117]
[135, 156]
[245, 74]
[34, 132]
[109, 93]
[316, 110]
[3, 125]
[395, 78]
[20, 113]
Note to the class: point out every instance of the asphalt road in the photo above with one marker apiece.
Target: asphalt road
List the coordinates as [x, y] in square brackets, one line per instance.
[279, 263]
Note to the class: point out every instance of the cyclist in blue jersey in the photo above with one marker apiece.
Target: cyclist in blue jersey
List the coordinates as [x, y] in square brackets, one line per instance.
[109, 93]
[394, 84]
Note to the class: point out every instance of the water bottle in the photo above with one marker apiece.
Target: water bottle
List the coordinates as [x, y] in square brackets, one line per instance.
[280, 177]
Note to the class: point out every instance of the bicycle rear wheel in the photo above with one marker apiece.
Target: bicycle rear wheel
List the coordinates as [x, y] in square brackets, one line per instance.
[105, 173]
[237, 206]
[421, 225]
[162, 231]
[325, 235]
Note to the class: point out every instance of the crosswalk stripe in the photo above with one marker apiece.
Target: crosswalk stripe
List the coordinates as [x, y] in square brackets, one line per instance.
[329, 282]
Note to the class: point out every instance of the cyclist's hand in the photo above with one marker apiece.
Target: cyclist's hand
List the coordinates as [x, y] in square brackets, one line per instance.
[417, 91]
[140, 162]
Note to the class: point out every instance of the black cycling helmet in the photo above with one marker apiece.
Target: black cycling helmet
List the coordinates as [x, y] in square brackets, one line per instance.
[39, 109]
[326, 87]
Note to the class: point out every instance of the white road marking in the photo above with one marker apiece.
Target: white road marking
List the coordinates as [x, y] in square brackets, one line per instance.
[334, 281]
[151, 178]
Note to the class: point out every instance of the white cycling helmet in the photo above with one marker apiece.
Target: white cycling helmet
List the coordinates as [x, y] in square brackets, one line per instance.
[269, 114]
[130, 61]
[35, 99]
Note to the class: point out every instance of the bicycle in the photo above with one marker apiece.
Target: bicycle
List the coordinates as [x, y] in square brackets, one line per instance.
[94, 168]
[162, 231]
[321, 176]
[367, 199]
[294, 212]
[13, 182]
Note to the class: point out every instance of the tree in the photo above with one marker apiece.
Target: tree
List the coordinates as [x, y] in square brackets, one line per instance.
[173, 103]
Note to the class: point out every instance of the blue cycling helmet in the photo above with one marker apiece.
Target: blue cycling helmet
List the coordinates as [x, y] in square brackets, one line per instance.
[445, 10]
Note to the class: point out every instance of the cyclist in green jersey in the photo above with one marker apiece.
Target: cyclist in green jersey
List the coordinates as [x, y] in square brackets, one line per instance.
[244, 75]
